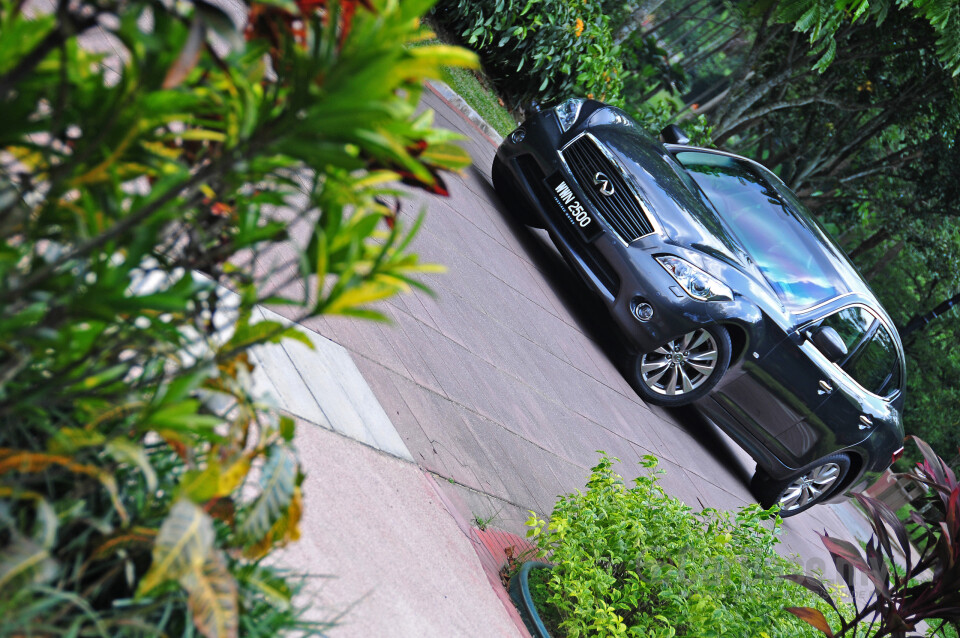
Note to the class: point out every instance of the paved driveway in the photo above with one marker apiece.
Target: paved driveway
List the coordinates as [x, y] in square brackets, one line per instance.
[503, 384]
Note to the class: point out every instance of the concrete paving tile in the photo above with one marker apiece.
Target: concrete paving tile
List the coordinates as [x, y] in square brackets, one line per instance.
[546, 422]
[451, 317]
[439, 419]
[416, 308]
[544, 485]
[626, 418]
[519, 357]
[568, 474]
[367, 339]
[411, 345]
[344, 396]
[401, 565]
[390, 389]
[509, 463]
[292, 393]
[495, 512]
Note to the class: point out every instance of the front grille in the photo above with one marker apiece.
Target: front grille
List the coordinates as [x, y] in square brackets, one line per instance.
[595, 261]
[622, 212]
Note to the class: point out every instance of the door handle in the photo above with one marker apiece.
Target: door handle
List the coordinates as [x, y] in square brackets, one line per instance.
[825, 387]
[865, 422]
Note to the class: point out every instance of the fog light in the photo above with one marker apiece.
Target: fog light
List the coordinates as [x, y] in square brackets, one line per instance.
[517, 136]
[642, 310]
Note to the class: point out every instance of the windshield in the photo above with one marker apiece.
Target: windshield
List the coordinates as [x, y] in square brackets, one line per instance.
[786, 246]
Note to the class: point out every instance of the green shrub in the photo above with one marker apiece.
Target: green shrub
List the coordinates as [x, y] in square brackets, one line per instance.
[142, 481]
[637, 562]
[546, 50]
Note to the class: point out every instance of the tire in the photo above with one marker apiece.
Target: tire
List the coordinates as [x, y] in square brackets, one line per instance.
[511, 197]
[804, 489]
[683, 370]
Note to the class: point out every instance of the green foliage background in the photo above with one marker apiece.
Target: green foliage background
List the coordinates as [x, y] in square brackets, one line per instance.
[543, 50]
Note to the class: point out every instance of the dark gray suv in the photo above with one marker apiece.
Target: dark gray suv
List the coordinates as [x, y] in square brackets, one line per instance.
[730, 294]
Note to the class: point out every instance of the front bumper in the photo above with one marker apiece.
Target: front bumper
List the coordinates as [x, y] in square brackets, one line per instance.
[622, 274]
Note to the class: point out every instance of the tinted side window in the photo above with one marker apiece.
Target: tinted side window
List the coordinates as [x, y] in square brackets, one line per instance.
[876, 367]
[851, 324]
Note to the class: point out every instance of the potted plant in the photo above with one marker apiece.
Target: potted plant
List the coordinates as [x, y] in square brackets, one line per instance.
[634, 561]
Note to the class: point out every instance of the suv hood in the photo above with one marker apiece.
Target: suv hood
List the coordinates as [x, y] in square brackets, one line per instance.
[684, 214]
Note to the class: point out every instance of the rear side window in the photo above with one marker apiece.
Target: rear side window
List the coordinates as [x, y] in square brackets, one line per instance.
[876, 366]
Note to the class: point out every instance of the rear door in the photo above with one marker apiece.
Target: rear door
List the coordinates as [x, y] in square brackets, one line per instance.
[862, 400]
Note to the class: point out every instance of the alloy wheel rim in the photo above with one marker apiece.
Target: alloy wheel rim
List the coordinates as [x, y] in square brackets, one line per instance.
[681, 366]
[810, 487]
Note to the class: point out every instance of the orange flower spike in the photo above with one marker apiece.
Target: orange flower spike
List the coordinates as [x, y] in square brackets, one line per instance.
[221, 210]
[579, 30]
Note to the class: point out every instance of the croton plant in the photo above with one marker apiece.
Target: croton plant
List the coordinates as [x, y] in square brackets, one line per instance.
[152, 153]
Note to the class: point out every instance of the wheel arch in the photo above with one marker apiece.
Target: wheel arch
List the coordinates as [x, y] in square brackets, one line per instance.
[739, 341]
[857, 465]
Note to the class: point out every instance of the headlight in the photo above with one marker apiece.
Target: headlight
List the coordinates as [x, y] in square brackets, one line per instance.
[697, 283]
[568, 112]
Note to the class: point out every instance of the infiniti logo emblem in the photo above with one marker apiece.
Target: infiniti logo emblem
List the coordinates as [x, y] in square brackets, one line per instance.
[605, 187]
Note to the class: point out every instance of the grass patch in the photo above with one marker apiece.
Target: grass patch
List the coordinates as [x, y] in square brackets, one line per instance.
[466, 84]
[475, 92]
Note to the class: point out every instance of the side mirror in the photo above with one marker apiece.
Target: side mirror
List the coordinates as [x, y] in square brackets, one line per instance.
[673, 134]
[829, 343]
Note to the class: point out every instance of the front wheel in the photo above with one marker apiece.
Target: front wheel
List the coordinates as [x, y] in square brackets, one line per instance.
[683, 370]
[811, 485]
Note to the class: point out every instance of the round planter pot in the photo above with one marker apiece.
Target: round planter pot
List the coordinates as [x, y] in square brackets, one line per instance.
[520, 595]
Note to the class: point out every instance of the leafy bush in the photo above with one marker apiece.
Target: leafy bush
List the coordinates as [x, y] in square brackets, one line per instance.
[635, 561]
[141, 480]
[926, 589]
[545, 50]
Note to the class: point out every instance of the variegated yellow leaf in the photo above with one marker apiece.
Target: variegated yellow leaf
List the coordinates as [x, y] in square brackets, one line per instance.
[233, 476]
[212, 597]
[183, 544]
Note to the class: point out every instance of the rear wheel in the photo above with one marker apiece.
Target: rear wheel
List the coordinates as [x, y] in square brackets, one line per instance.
[510, 195]
[683, 370]
[804, 489]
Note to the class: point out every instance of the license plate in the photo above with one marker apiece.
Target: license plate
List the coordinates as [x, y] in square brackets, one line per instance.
[571, 208]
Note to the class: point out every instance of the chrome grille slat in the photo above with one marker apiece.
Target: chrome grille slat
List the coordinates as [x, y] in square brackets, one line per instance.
[581, 165]
[622, 212]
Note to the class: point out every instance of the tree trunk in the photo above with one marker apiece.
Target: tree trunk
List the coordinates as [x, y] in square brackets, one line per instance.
[713, 89]
[870, 243]
[713, 103]
[635, 19]
[920, 322]
[888, 257]
[676, 15]
[684, 38]
[693, 60]
[846, 237]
